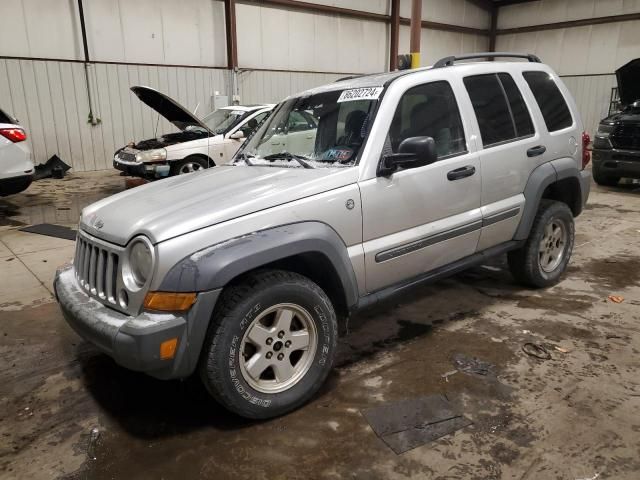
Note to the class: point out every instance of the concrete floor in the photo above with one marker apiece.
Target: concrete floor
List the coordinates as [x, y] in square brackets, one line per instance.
[574, 416]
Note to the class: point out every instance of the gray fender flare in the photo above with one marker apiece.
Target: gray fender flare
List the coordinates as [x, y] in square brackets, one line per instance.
[541, 177]
[215, 266]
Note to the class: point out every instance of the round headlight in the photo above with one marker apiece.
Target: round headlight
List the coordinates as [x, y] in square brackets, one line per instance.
[140, 262]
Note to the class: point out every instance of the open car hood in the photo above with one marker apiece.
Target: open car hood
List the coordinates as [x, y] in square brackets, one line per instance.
[628, 77]
[168, 108]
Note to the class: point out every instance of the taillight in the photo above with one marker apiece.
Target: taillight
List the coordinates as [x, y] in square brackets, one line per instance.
[14, 134]
[586, 153]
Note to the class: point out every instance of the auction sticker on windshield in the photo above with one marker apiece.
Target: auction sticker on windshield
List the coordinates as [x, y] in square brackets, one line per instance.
[366, 93]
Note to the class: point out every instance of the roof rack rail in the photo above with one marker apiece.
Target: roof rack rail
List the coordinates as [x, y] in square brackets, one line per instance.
[350, 77]
[448, 61]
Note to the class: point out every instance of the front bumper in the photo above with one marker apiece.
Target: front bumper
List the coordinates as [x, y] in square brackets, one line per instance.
[617, 163]
[134, 342]
[145, 170]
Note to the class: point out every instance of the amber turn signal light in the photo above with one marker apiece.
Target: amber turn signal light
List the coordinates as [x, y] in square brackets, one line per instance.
[168, 349]
[169, 301]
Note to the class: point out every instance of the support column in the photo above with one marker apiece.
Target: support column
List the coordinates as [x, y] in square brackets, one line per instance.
[395, 31]
[493, 28]
[416, 27]
[230, 27]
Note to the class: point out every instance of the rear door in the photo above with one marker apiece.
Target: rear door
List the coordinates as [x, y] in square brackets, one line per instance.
[419, 219]
[510, 149]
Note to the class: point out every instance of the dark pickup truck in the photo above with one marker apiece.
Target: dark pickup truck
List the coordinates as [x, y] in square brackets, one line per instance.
[616, 146]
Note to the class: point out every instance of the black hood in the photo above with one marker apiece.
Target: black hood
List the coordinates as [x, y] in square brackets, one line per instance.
[629, 82]
[168, 108]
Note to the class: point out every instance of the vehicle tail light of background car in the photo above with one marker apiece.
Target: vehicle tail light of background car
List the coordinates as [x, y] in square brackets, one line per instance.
[586, 153]
[14, 134]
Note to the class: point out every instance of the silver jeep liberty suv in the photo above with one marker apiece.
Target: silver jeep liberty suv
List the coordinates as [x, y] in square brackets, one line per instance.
[347, 194]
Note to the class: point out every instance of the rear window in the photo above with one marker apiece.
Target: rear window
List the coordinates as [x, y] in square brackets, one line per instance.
[554, 109]
[501, 112]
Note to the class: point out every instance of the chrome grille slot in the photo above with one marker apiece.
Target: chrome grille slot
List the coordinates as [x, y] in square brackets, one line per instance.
[96, 267]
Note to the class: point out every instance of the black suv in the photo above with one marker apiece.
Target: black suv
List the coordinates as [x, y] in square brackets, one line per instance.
[616, 146]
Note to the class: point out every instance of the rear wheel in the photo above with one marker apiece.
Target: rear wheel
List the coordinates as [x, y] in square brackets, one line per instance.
[270, 345]
[188, 165]
[602, 179]
[546, 253]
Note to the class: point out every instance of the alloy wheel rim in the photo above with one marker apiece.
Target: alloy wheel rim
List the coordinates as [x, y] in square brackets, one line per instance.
[278, 348]
[552, 246]
[190, 167]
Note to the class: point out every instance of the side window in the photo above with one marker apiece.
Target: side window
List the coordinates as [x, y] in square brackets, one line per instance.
[252, 125]
[554, 109]
[429, 110]
[521, 117]
[298, 122]
[501, 112]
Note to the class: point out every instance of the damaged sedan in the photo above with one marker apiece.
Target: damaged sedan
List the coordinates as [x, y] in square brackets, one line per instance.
[199, 144]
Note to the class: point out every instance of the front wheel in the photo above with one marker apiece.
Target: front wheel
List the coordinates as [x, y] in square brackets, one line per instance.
[602, 179]
[546, 253]
[271, 344]
[188, 165]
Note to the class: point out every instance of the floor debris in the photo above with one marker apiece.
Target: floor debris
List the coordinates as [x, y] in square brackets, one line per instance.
[472, 365]
[616, 298]
[93, 440]
[407, 424]
[536, 350]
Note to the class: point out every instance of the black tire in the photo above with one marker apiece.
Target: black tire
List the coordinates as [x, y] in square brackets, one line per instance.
[197, 163]
[240, 306]
[525, 262]
[604, 180]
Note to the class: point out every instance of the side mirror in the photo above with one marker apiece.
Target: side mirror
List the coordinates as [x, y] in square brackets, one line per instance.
[413, 152]
[237, 135]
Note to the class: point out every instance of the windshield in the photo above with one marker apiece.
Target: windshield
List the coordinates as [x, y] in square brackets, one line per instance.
[322, 130]
[223, 120]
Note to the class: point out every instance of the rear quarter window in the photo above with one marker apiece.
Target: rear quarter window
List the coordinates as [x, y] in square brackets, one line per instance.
[554, 108]
[5, 118]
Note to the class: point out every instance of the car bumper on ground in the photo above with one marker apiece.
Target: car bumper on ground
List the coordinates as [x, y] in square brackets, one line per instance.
[617, 163]
[11, 185]
[138, 169]
[134, 342]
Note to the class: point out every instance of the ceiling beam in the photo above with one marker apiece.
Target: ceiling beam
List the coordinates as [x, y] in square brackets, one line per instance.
[571, 23]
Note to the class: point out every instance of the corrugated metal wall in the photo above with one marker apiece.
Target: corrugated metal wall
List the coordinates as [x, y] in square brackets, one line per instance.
[50, 99]
[586, 57]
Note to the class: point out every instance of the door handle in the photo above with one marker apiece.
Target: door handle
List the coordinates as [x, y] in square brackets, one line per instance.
[535, 151]
[461, 172]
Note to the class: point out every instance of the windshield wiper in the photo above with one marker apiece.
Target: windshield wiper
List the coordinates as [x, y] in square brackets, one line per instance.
[289, 156]
[245, 157]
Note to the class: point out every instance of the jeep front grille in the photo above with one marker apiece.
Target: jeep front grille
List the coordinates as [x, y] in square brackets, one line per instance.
[626, 137]
[96, 268]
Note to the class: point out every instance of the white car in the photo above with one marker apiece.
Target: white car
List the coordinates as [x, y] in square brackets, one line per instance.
[201, 143]
[16, 165]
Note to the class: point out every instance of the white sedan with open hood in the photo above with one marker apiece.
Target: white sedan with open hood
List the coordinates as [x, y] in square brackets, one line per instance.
[200, 143]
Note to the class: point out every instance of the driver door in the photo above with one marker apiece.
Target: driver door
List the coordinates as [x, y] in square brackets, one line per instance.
[419, 219]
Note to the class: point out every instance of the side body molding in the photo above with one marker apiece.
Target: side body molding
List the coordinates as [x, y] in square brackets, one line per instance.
[539, 180]
[214, 266]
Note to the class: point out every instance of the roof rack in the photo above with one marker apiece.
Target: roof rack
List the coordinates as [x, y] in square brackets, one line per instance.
[449, 61]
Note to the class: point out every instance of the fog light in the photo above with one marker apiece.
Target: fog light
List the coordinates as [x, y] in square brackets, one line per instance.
[168, 349]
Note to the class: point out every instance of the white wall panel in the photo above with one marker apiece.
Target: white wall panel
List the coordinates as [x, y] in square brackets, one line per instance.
[277, 38]
[37, 28]
[454, 12]
[593, 49]
[271, 87]
[551, 11]
[375, 6]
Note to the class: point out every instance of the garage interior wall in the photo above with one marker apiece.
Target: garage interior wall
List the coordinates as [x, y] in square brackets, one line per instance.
[180, 49]
[586, 57]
